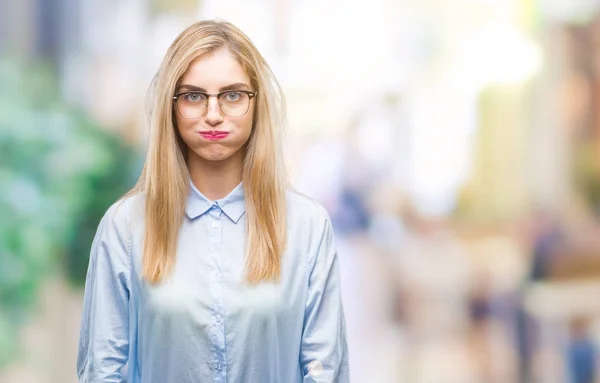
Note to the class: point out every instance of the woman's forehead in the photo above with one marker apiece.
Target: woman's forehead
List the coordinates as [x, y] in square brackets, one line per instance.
[215, 71]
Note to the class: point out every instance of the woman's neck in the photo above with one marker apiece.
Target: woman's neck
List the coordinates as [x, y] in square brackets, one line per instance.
[215, 179]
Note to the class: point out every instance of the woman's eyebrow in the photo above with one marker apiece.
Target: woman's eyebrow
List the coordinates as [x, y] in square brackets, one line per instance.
[235, 86]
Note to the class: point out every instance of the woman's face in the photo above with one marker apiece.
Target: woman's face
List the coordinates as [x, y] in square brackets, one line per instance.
[218, 132]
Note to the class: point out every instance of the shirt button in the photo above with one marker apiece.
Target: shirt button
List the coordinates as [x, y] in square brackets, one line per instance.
[219, 366]
[218, 317]
[215, 224]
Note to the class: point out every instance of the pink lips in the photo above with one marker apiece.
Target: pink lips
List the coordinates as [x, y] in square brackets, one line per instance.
[214, 135]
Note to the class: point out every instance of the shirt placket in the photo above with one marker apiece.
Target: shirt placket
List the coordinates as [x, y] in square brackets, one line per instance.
[218, 356]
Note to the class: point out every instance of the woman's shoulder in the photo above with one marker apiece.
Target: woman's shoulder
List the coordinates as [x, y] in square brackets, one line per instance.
[121, 212]
[302, 206]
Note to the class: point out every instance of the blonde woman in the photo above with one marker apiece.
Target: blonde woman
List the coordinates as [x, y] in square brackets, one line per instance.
[211, 269]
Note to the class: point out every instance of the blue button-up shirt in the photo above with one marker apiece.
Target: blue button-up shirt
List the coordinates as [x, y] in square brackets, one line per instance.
[203, 323]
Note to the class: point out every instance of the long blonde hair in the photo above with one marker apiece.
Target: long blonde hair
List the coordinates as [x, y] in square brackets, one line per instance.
[165, 178]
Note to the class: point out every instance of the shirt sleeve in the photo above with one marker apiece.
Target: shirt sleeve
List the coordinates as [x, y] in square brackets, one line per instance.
[104, 335]
[324, 351]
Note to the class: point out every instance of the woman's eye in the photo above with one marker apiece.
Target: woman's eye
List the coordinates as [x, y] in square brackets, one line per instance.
[233, 96]
[194, 97]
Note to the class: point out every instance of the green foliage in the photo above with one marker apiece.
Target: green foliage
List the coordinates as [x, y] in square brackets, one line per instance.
[587, 174]
[58, 173]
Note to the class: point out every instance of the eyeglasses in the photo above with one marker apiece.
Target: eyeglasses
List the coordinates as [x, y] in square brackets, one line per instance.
[233, 103]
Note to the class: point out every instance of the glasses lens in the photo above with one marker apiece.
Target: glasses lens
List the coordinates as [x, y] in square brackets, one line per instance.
[234, 104]
[191, 105]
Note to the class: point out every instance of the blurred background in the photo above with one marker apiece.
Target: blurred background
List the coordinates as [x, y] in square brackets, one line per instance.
[454, 143]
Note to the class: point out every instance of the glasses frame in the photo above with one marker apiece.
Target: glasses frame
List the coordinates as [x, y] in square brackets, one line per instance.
[251, 95]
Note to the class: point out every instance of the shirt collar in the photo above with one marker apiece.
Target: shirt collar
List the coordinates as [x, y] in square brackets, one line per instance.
[233, 205]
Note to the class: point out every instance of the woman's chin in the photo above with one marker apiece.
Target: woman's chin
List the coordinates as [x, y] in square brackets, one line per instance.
[214, 156]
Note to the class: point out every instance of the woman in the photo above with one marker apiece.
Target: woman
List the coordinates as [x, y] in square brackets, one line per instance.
[211, 269]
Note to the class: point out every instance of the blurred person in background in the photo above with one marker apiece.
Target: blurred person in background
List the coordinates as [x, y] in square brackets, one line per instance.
[581, 352]
[211, 268]
[546, 235]
[563, 257]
